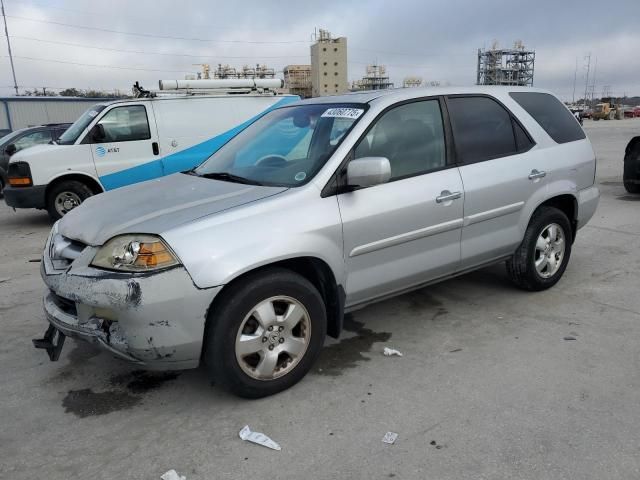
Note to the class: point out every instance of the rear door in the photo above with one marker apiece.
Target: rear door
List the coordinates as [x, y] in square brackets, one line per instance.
[498, 171]
[407, 231]
[129, 151]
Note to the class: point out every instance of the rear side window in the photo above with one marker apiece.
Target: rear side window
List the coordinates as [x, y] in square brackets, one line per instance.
[552, 116]
[482, 129]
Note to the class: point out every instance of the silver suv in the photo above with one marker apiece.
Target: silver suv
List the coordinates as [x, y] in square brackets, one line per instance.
[318, 208]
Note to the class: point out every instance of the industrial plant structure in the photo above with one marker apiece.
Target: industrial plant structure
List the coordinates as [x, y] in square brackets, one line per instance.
[375, 79]
[297, 79]
[412, 82]
[329, 65]
[506, 66]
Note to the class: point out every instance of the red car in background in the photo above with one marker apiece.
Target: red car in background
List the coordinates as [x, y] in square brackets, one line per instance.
[632, 112]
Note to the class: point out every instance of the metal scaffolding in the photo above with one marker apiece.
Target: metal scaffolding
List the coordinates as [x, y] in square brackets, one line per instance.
[375, 79]
[506, 66]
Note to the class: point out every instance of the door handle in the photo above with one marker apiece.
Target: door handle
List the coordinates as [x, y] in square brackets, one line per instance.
[155, 148]
[537, 174]
[447, 196]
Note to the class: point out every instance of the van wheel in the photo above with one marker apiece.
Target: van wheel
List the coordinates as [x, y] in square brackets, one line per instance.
[542, 257]
[1, 187]
[65, 196]
[265, 333]
[631, 167]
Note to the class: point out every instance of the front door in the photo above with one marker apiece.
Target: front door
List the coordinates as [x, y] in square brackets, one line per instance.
[128, 151]
[407, 231]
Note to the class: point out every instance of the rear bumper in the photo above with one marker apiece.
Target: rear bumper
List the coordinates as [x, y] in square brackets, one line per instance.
[588, 199]
[25, 197]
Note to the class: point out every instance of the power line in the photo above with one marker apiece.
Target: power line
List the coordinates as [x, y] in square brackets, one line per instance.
[118, 67]
[149, 35]
[152, 53]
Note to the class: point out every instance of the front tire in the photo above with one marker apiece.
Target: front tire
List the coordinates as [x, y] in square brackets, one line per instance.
[542, 257]
[630, 177]
[65, 196]
[265, 333]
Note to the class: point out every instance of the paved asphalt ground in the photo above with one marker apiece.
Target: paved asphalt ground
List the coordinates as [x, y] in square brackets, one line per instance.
[488, 387]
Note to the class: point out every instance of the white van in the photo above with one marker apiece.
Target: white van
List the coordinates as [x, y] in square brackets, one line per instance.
[123, 142]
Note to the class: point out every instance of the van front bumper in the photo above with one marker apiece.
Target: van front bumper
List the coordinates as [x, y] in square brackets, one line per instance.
[154, 320]
[25, 197]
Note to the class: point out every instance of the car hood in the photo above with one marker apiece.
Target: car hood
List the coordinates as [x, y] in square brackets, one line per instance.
[35, 151]
[156, 206]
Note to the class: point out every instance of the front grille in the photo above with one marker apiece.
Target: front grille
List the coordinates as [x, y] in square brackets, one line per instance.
[64, 304]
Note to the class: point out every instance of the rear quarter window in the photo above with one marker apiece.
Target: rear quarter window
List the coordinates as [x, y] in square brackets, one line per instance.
[552, 116]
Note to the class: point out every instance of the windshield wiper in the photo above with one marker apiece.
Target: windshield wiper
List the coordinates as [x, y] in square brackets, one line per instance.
[229, 177]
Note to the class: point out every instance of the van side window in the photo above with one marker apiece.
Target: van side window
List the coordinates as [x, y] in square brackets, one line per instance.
[554, 117]
[410, 136]
[482, 129]
[523, 142]
[126, 124]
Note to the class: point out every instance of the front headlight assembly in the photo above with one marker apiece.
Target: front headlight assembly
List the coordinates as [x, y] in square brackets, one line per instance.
[135, 253]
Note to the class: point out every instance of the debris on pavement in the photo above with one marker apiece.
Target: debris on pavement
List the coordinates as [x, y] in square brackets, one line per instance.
[455, 350]
[259, 438]
[388, 352]
[5, 279]
[172, 475]
[569, 338]
[390, 438]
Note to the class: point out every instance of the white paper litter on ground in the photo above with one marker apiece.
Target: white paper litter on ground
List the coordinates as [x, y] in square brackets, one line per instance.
[390, 438]
[259, 438]
[172, 475]
[388, 352]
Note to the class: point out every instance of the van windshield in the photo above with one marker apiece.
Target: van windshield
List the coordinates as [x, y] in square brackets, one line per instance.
[286, 147]
[72, 133]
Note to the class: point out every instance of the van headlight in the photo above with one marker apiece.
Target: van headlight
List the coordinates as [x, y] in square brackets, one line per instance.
[135, 253]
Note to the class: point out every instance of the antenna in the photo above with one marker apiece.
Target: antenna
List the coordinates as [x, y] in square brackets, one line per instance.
[6, 31]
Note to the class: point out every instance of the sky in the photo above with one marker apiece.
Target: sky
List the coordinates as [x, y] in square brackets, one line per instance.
[109, 45]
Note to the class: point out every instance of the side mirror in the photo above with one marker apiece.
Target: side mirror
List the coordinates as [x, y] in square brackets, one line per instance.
[97, 133]
[368, 171]
[10, 149]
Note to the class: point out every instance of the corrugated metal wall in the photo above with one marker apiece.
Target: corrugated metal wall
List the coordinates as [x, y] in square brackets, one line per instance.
[27, 112]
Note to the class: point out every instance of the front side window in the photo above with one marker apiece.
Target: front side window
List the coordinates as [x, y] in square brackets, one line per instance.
[35, 138]
[125, 124]
[285, 147]
[410, 136]
[552, 115]
[482, 129]
[70, 136]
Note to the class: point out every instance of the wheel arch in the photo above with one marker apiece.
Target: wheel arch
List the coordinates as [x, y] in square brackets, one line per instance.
[314, 269]
[88, 180]
[566, 203]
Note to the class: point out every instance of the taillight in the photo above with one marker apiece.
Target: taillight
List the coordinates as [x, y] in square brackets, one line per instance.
[19, 175]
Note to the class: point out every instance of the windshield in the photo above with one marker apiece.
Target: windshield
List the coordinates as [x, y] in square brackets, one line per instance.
[286, 147]
[70, 136]
[8, 138]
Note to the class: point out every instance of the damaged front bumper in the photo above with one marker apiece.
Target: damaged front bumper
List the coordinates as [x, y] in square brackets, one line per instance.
[154, 320]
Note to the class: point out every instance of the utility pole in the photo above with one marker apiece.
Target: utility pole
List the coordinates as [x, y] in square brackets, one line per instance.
[6, 31]
[586, 82]
[575, 76]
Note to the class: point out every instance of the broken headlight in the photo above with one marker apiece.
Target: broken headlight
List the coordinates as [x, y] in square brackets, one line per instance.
[135, 253]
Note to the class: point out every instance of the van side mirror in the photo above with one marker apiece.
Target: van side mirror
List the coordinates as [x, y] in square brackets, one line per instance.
[97, 133]
[368, 171]
[10, 149]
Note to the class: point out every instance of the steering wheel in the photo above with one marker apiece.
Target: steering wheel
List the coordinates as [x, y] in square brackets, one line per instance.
[271, 161]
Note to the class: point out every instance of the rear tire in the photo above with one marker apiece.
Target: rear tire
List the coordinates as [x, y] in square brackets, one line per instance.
[248, 339]
[542, 257]
[65, 196]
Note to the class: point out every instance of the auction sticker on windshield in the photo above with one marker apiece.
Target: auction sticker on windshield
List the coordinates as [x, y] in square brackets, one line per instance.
[353, 113]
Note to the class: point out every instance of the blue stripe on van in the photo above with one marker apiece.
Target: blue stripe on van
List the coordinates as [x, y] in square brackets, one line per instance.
[183, 160]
